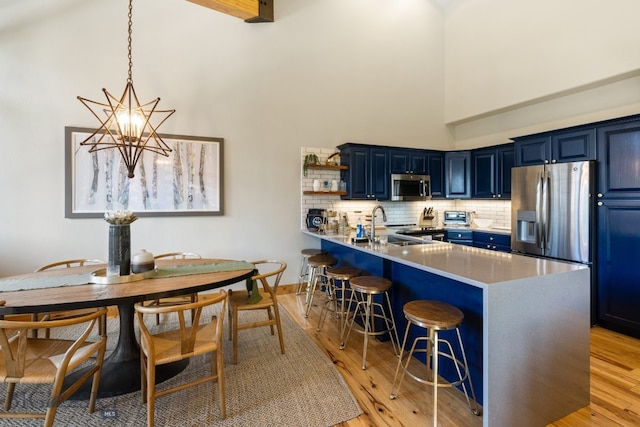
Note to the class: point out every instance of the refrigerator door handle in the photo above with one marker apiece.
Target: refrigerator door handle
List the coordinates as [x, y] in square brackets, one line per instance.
[539, 230]
[546, 191]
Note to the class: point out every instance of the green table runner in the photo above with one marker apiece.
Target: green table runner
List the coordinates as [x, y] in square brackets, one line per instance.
[185, 270]
[34, 282]
[21, 284]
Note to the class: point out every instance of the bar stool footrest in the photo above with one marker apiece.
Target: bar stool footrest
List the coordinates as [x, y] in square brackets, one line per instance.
[442, 382]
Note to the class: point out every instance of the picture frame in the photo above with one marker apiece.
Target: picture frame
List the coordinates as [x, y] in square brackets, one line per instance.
[189, 182]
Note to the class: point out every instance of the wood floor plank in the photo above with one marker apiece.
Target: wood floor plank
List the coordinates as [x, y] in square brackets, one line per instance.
[615, 379]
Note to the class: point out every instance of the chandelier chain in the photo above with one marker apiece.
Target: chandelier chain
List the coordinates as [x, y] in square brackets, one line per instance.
[130, 15]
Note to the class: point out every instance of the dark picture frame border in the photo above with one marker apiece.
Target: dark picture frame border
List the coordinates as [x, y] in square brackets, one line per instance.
[71, 178]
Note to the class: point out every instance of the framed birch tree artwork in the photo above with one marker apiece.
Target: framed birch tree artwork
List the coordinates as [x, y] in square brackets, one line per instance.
[187, 182]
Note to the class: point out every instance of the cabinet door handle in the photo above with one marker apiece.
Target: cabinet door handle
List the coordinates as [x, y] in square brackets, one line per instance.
[600, 195]
[600, 204]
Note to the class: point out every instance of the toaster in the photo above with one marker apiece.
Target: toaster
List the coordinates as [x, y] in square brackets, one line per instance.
[459, 218]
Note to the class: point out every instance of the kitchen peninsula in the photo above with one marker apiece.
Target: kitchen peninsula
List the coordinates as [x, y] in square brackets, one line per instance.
[526, 327]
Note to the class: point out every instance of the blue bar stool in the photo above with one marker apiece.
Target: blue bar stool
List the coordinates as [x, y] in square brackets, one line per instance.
[434, 316]
[363, 290]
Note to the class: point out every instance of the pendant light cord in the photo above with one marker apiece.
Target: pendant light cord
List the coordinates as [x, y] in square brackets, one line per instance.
[130, 78]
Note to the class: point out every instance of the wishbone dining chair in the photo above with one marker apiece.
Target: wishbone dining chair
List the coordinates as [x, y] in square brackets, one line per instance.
[26, 360]
[69, 263]
[178, 344]
[268, 278]
[175, 300]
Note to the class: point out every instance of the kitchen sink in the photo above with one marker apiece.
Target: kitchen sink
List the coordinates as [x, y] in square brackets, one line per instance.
[399, 241]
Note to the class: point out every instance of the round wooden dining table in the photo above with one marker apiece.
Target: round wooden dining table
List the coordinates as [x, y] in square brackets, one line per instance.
[121, 369]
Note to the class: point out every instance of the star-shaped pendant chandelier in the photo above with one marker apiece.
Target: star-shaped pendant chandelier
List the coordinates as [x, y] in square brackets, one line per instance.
[126, 124]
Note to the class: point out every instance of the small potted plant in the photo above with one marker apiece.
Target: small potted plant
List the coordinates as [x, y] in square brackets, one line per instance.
[309, 159]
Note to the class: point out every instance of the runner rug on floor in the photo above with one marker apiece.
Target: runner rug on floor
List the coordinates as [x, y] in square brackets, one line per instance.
[265, 388]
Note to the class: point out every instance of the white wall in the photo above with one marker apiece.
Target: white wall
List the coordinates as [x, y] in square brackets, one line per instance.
[504, 53]
[326, 72]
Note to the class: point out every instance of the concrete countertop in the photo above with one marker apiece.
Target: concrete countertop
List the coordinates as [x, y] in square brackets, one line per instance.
[474, 266]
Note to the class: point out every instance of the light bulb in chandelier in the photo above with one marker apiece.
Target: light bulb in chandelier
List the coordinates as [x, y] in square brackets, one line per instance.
[130, 123]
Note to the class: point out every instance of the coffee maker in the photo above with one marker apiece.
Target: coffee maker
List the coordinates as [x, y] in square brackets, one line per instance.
[315, 218]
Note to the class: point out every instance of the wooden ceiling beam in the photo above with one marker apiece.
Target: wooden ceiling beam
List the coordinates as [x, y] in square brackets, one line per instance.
[249, 10]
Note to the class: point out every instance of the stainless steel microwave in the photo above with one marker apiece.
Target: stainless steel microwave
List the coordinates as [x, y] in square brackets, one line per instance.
[410, 188]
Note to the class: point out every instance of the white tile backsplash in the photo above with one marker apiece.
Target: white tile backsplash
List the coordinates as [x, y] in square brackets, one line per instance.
[397, 212]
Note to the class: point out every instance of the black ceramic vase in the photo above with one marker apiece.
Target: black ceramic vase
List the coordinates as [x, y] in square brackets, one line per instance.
[119, 248]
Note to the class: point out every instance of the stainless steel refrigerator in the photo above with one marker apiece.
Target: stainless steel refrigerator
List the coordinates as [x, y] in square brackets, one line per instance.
[552, 210]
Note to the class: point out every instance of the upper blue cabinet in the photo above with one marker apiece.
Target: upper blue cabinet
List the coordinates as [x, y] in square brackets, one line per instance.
[367, 176]
[619, 160]
[457, 178]
[569, 145]
[491, 171]
[436, 169]
[408, 161]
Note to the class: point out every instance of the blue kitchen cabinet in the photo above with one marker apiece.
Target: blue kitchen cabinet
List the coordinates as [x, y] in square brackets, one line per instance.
[399, 160]
[491, 172]
[406, 160]
[436, 173]
[418, 162]
[567, 145]
[460, 237]
[457, 174]
[618, 226]
[617, 265]
[506, 161]
[535, 150]
[493, 241]
[367, 176]
[619, 160]
[573, 146]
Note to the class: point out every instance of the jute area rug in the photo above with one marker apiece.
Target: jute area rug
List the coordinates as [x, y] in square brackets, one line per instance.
[266, 388]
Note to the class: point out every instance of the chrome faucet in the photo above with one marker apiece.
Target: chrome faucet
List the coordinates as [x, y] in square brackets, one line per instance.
[373, 221]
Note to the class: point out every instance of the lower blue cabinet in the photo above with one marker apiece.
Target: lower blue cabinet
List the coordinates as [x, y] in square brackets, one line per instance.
[493, 241]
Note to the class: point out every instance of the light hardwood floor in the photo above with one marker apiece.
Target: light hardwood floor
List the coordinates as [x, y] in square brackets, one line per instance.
[615, 379]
